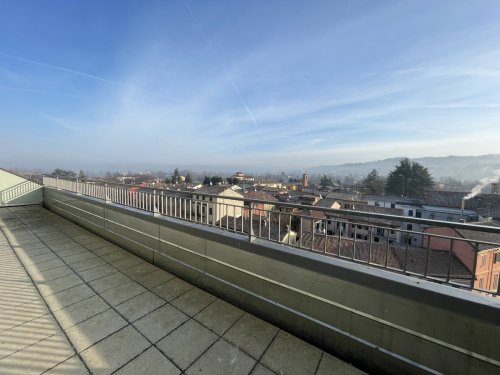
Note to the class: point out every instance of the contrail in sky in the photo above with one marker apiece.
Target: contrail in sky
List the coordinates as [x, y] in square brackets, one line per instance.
[71, 71]
[244, 104]
[210, 45]
[59, 122]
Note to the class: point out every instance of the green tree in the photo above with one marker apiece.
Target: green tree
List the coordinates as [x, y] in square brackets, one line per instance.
[82, 175]
[372, 184]
[63, 173]
[189, 179]
[325, 181]
[175, 176]
[215, 180]
[206, 180]
[409, 179]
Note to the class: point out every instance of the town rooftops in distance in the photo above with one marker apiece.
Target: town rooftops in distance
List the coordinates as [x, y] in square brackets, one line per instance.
[240, 176]
[260, 195]
[216, 190]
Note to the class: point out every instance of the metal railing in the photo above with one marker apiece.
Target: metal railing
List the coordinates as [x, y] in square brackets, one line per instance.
[17, 191]
[373, 239]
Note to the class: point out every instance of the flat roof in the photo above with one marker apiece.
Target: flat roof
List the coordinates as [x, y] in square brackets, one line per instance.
[72, 302]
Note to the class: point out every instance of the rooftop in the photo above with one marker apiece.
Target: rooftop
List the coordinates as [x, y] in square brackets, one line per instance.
[73, 302]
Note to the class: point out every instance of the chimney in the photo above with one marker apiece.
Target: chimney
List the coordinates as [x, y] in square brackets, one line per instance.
[462, 211]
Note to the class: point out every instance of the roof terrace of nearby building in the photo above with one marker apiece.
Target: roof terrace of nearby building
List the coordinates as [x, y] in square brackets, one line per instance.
[345, 305]
[73, 302]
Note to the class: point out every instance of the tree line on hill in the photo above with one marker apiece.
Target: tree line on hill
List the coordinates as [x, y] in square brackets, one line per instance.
[408, 179]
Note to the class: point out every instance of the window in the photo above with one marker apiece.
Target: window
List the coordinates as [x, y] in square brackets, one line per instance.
[497, 257]
[418, 214]
[377, 204]
[393, 205]
[410, 212]
[210, 211]
[495, 282]
[449, 218]
[392, 231]
[409, 227]
[210, 199]
[432, 216]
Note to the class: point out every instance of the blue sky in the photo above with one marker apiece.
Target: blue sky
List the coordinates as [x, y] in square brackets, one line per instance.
[270, 85]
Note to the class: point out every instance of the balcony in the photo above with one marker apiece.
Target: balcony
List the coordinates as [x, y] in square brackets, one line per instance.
[122, 280]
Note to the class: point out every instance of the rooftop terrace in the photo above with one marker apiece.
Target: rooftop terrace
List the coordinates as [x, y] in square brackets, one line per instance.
[121, 279]
[74, 303]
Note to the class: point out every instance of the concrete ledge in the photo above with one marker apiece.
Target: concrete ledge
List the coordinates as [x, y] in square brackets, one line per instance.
[381, 321]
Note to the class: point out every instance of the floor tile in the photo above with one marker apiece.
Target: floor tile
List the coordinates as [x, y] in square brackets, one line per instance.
[122, 293]
[72, 366]
[251, 334]
[92, 330]
[97, 272]
[155, 278]
[140, 270]
[193, 301]
[331, 365]
[261, 370]
[160, 322]
[87, 264]
[60, 284]
[39, 357]
[109, 282]
[139, 306]
[186, 343]
[289, 354]
[219, 316]
[113, 352]
[172, 289]
[80, 311]
[69, 296]
[128, 262]
[151, 362]
[222, 358]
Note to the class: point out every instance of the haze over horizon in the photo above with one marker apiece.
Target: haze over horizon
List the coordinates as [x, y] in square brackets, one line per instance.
[269, 84]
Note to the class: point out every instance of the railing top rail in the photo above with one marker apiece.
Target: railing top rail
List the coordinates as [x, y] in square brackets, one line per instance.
[326, 211]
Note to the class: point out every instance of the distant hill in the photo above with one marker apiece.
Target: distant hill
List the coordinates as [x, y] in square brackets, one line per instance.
[460, 167]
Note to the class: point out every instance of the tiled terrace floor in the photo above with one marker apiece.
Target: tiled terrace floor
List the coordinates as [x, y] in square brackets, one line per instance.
[87, 306]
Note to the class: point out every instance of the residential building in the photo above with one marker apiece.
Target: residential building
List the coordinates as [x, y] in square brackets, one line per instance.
[361, 227]
[242, 177]
[271, 183]
[486, 267]
[415, 208]
[211, 209]
[262, 208]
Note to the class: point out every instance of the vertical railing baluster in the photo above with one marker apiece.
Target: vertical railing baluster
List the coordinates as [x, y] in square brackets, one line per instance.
[427, 256]
[450, 259]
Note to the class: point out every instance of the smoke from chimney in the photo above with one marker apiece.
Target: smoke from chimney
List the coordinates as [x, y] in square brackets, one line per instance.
[482, 184]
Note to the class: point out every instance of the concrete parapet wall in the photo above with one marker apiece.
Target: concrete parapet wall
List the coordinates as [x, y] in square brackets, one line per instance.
[18, 191]
[380, 321]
